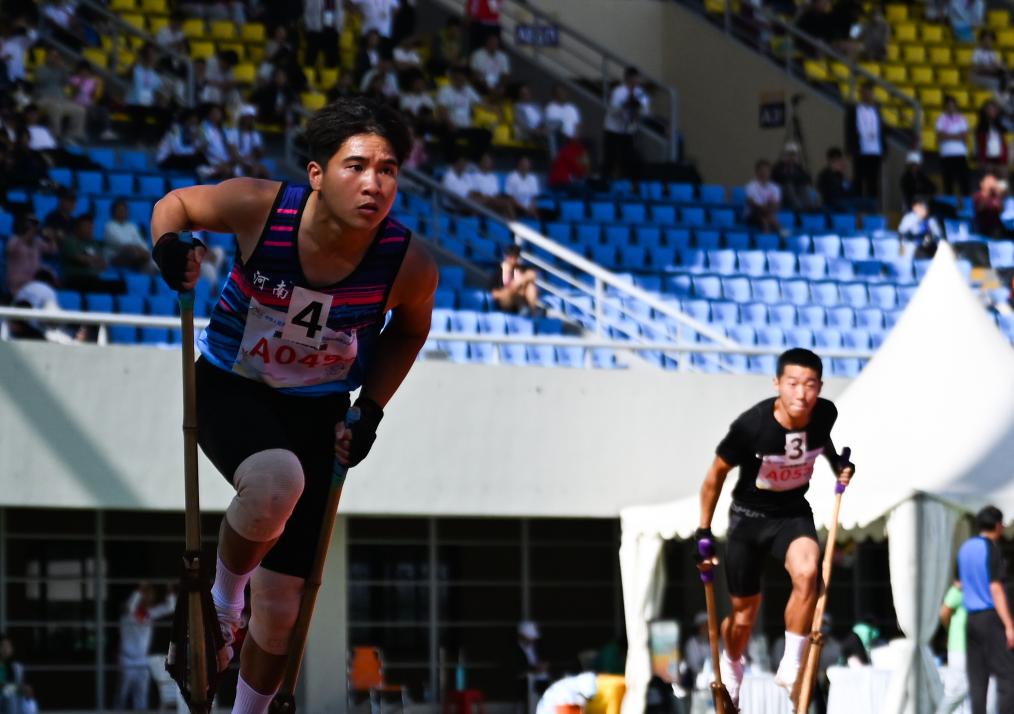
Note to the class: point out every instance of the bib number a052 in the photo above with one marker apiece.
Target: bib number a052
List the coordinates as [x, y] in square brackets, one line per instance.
[783, 473]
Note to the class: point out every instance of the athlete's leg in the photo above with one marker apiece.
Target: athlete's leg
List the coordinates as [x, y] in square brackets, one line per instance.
[801, 560]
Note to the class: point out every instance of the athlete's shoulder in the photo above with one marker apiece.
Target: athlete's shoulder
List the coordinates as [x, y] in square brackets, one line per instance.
[759, 411]
[826, 408]
[417, 278]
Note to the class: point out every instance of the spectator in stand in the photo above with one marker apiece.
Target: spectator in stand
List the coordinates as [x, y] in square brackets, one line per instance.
[417, 157]
[570, 167]
[171, 36]
[408, 56]
[384, 78]
[220, 86]
[37, 295]
[988, 69]
[865, 142]
[82, 261]
[483, 21]
[513, 288]
[562, 115]
[404, 21]
[146, 97]
[51, 84]
[25, 250]
[952, 139]
[279, 41]
[763, 199]
[87, 91]
[61, 16]
[457, 179]
[136, 628]
[345, 87]
[216, 148]
[27, 167]
[628, 103]
[16, 695]
[181, 148]
[486, 190]
[522, 187]
[323, 21]
[59, 224]
[15, 39]
[987, 204]
[448, 47]
[920, 229]
[915, 181]
[417, 98]
[377, 15]
[696, 652]
[455, 102]
[837, 192]
[276, 101]
[369, 55]
[966, 18]
[875, 36]
[798, 193]
[125, 247]
[489, 63]
[991, 140]
[247, 145]
[529, 116]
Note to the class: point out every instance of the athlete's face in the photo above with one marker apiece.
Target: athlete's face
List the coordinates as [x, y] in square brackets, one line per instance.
[798, 389]
[359, 183]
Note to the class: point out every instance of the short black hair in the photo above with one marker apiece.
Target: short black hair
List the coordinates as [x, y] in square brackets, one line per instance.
[800, 357]
[331, 126]
[988, 518]
[834, 153]
[513, 249]
[631, 72]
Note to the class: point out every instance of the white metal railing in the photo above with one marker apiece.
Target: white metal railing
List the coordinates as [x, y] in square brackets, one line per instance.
[577, 57]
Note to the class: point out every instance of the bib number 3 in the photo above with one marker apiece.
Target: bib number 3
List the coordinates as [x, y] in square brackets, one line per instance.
[307, 317]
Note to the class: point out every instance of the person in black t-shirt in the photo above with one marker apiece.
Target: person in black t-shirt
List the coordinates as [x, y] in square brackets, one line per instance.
[775, 444]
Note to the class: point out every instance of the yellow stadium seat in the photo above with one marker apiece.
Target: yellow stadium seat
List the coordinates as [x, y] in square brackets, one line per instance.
[313, 101]
[896, 13]
[882, 95]
[931, 97]
[961, 97]
[948, 77]
[929, 140]
[997, 19]
[914, 54]
[223, 29]
[244, 73]
[871, 67]
[328, 78]
[815, 70]
[37, 56]
[123, 6]
[980, 97]
[311, 76]
[963, 56]
[202, 50]
[839, 70]
[1005, 38]
[96, 56]
[907, 90]
[971, 118]
[156, 23]
[940, 55]
[933, 34]
[906, 32]
[890, 116]
[133, 19]
[255, 53]
[895, 73]
[893, 52]
[921, 75]
[845, 90]
[347, 39]
[155, 7]
[238, 47]
[125, 59]
[253, 32]
[502, 135]
[714, 7]
[193, 28]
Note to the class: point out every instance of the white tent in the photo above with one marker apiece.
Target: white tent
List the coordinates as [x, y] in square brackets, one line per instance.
[931, 424]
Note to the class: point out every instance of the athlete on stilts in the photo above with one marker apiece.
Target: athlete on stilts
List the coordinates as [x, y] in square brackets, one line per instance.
[297, 327]
[775, 444]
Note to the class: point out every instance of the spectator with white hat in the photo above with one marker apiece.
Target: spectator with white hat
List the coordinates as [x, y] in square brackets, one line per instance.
[531, 673]
[915, 181]
[247, 144]
[38, 295]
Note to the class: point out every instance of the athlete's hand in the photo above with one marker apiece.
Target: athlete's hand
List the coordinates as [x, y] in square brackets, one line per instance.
[352, 443]
[704, 564]
[846, 469]
[179, 262]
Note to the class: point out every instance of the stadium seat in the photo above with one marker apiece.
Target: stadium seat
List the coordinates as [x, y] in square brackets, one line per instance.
[812, 222]
[883, 296]
[799, 243]
[886, 248]
[138, 284]
[765, 290]
[736, 288]
[493, 323]
[603, 212]
[678, 238]
[841, 317]
[548, 326]
[708, 287]
[633, 257]
[856, 248]
[700, 310]
[692, 259]
[767, 241]
[132, 160]
[572, 211]
[663, 215]
[472, 299]
[1001, 253]
[482, 353]
[812, 266]
[569, 356]
[443, 298]
[679, 285]
[723, 217]
[855, 294]
[662, 258]
[751, 262]
[742, 334]
[651, 190]
[648, 237]
[840, 269]
[842, 223]
[762, 364]
[98, 302]
[617, 235]
[650, 283]
[782, 315]
[681, 192]
[707, 240]
[456, 351]
[738, 240]
[827, 338]
[89, 182]
[812, 316]
[796, 292]
[870, 318]
[725, 313]
[68, 300]
[604, 255]
[845, 367]
[103, 156]
[633, 213]
[906, 292]
[589, 233]
[899, 271]
[712, 194]
[869, 270]
[827, 245]
[692, 216]
[856, 340]
[825, 293]
[873, 223]
[770, 336]
[799, 337]
[452, 277]
[517, 325]
[754, 314]
[781, 263]
[722, 262]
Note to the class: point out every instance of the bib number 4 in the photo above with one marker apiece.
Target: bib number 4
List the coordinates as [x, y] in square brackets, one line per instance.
[306, 317]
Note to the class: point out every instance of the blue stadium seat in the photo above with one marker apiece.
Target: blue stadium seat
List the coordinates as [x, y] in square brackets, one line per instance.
[68, 300]
[692, 216]
[681, 192]
[603, 358]
[796, 292]
[812, 266]
[517, 325]
[89, 182]
[680, 285]
[840, 269]
[765, 290]
[869, 270]
[855, 294]
[799, 337]
[751, 262]
[712, 194]
[886, 248]
[152, 185]
[6, 224]
[127, 334]
[1006, 324]
[651, 190]
[754, 314]
[452, 277]
[140, 211]
[133, 160]
[856, 340]
[781, 263]
[843, 223]
[725, 313]
[787, 219]
[737, 196]
[161, 305]
[700, 310]
[883, 295]
[465, 227]
[130, 304]
[617, 235]
[899, 270]
[444, 298]
[827, 245]
[648, 236]
[499, 232]
[722, 261]
[723, 217]
[548, 326]
[473, 299]
[856, 248]
[873, 223]
[825, 292]
[633, 257]
[572, 211]
[604, 255]
[767, 241]
[456, 351]
[845, 367]
[121, 184]
[663, 215]
[678, 238]
[812, 222]
[570, 356]
[650, 283]
[465, 321]
[691, 259]
[906, 292]
[870, 318]
[921, 266]
[841, 317]
[633, 213]
[104, 157]
[409, 220]
[622, 187]
[662, 258]
[877, 338]
[799, 243]
[98, 302]
[482, 353]
[176, 182]
[603, 211]
[770, 336]
[762, 364]
[812, 316]
[541, 355]
[1001, 253]
[137, 284]
[782, 315]
[736, 288]
[483, 250]
[708, 287]
[589, 233]
[440, 224]
[827, 338]
[513, 354]
[738, 240]
[707, 240]
[44, 204]
[440, 321]
[742, 334]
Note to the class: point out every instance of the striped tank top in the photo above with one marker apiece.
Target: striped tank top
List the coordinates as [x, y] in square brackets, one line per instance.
[271, 326]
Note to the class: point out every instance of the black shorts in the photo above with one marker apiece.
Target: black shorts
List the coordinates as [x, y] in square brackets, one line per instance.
[237, 417]
[751, 538]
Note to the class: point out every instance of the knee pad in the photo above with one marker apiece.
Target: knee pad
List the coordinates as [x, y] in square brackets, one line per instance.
[274, 607]
[268, 485]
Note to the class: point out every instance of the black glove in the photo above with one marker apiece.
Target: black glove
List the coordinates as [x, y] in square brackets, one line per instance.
[364, 431]
[170, 254]
[699, 535]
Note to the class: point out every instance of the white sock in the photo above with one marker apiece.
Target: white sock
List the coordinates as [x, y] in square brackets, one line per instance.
[793, 650]
[249, 700]
[229, 587]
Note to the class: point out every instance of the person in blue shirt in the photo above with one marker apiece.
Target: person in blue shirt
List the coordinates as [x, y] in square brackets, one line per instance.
[982, 570]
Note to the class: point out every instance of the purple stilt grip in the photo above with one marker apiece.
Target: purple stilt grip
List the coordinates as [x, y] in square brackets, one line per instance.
[843, 461]
[708, 576]
[706, 548]
[839, 487]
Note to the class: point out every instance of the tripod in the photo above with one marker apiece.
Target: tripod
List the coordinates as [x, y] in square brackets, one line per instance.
[794, 130]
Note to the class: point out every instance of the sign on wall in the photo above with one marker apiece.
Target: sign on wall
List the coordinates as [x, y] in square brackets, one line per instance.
[772, 110]
[537, 35]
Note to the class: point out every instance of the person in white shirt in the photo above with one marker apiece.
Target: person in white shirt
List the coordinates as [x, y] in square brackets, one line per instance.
[763, 199]
[988, 70]
[135, 642]
[456, 100]
[529, 117]
[952, 140]
[17, 38]
[523, 186]
[486, 190]
[457, 179]
[381, 79]
[323, 21]
[918, 227]
[489, 63]
[864, 140]
[417, 98]
[562, 114]
[407, 55]
[246, 144]
[123, 242]
[216, 148]
[377, 15]
[628, 103]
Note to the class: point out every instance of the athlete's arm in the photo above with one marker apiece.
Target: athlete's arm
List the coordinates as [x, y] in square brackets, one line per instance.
[845, 473]
[711, 489]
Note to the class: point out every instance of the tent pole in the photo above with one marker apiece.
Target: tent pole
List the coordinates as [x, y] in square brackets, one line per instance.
[920, 499]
